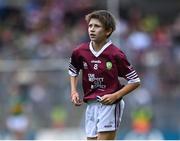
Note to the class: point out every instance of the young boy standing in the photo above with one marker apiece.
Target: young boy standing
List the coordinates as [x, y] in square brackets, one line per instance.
[101, 63]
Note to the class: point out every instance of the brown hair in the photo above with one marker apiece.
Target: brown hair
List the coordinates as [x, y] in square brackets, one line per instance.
[105, 17]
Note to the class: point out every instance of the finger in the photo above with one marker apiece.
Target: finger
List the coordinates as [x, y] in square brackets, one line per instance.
[77, 100]
[74, 100]
[107, 102]
[104, 100]
[78, 104]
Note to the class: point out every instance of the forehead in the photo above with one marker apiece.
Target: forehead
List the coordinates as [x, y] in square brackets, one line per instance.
[95, 21]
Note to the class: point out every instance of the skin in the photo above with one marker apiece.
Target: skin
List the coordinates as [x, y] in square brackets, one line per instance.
[98, 35]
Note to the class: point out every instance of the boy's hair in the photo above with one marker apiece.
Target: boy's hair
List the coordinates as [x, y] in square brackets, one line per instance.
[105, 17]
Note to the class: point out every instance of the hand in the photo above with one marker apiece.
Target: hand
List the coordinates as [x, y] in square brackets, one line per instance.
[108, 99]
[75, 99]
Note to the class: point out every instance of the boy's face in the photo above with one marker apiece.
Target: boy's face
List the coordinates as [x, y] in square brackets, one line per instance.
[96, 30]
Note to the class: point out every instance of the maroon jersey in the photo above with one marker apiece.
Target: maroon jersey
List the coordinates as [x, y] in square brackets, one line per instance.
[100, 70]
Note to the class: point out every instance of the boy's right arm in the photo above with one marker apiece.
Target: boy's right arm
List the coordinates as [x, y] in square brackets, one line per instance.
[74, 94]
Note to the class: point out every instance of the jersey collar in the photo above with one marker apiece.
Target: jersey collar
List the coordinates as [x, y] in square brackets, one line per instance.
[97, 53]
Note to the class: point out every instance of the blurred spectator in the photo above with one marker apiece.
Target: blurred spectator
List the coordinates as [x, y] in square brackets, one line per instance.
[142, 128]
[59, 116]
[139, 40]
[17, 123]
[176, 30]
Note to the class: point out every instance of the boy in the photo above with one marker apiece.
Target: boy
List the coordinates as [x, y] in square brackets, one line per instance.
[101, 63]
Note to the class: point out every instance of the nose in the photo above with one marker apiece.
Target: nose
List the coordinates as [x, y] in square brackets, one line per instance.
[91, 29]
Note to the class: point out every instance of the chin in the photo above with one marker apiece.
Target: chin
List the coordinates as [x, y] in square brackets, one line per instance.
[93, 39]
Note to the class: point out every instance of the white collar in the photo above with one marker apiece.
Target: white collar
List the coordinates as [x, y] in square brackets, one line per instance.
[97, 53]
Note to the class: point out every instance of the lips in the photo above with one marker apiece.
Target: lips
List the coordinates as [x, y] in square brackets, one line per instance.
[92, 35]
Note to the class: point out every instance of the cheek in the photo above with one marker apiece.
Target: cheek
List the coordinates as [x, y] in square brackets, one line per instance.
[88, 30]
[101, 34]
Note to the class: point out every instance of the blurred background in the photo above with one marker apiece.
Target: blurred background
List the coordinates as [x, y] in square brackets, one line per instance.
[36, 41]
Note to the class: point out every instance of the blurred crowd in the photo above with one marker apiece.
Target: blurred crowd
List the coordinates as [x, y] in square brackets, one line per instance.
[50, 29]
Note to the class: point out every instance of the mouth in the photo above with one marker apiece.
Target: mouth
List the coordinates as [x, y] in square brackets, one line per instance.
[92, 35]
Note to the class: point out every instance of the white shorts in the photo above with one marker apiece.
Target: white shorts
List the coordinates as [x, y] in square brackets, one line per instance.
[101, 118]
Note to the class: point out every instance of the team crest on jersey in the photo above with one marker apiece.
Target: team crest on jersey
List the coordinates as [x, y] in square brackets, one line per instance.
[108, 65]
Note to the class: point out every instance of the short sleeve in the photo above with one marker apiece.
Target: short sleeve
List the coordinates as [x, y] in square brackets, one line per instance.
[125, 69]
[74, 64]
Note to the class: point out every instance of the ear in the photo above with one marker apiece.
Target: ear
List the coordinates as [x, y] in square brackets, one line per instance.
[108, 32]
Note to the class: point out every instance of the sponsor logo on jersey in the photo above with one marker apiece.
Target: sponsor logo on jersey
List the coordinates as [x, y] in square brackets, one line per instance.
[96, 81]
[108, 65]
[96, 61]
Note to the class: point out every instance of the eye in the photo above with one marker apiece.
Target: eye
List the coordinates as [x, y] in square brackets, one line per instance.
[97, 25]
[90, 25]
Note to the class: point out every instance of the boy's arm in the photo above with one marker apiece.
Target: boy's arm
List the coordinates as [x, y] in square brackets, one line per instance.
[74, 94]
[111, 98]
[126, 89]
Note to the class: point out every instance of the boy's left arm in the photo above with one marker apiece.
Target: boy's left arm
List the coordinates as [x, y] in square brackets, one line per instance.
[111, 98]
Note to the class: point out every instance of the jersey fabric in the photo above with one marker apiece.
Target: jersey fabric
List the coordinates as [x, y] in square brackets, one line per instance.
[100, 70]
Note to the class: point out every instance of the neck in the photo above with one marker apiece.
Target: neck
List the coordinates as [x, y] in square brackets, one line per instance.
[97, 46]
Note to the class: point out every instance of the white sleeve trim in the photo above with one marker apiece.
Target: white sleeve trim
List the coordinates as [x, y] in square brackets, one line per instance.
[134, 80]
[72, 74]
